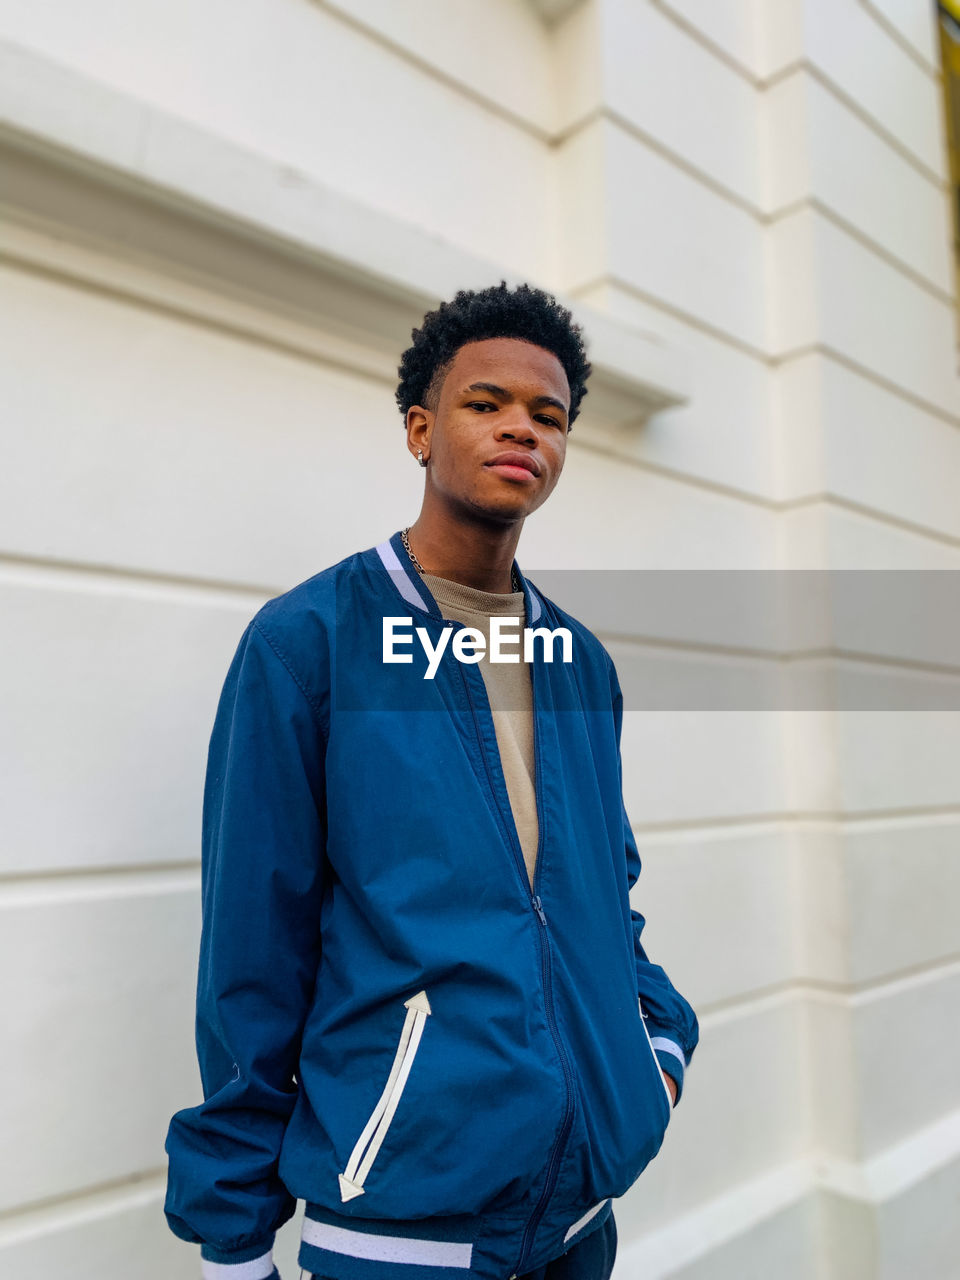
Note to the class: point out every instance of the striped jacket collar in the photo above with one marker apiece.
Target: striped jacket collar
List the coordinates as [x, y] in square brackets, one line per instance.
[407, 581]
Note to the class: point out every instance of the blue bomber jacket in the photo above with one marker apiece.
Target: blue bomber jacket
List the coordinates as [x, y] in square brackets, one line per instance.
[455, 1073]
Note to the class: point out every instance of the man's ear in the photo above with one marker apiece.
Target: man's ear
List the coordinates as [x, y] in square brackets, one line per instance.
[419, 428]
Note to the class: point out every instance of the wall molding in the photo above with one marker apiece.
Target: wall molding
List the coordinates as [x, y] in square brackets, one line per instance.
[869, 1185]
[117, 179]
[552, 11]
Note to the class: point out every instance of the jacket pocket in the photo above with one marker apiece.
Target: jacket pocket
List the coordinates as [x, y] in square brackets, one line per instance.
[371, 1139]
[656, 1062]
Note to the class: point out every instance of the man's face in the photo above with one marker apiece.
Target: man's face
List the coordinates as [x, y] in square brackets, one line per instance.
[500, 397]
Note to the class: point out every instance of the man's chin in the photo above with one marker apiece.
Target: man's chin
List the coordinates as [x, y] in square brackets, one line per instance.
[502, 512]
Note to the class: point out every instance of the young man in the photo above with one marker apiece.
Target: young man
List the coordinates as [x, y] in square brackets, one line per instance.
[423, 1003]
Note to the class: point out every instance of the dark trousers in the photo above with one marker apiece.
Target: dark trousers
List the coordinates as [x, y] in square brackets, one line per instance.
[589, 1259]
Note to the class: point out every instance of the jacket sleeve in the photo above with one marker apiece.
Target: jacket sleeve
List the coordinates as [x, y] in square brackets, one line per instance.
[670, 1020]
[262, 879]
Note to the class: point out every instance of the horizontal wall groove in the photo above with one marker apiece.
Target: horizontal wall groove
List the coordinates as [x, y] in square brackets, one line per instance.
[612, 280]
[48, 573]
[695, 1238]
[589, 117]
[760, 83]
[946, 816]
[787, 210]
[787, 820]
[774, 658]
[18, 892]
[814, 202]
[680, 162]
[746, 1003]
[885, 25]
[53, 573]
[881, 516]
[864, 116]
[430, 69]
[32, 877]
[882, 986]
[36, 1219]
[660, 148]
[717, 51]
[864, 371]
[804, 65]
[677, 313]
[902, 813]
[690, 478]
[783, 73]
[850, 995]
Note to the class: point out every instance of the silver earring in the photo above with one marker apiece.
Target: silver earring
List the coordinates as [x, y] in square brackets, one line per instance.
[420, 458]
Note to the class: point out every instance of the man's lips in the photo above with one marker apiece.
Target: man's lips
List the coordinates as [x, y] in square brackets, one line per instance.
[515, 466]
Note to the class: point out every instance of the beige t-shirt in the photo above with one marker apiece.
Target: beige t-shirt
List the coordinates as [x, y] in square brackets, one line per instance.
[510, 692]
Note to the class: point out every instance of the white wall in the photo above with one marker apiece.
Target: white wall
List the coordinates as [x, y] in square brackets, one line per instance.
[223, 220]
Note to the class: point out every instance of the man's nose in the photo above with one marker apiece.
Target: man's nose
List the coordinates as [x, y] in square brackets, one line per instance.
[519, 427]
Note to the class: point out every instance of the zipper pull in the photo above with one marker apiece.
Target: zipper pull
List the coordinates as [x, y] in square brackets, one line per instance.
[538, 908]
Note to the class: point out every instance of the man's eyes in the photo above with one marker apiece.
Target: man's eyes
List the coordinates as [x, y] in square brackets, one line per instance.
[486, 404]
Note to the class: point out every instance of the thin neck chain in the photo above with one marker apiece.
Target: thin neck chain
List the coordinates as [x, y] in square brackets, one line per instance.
[514, 580]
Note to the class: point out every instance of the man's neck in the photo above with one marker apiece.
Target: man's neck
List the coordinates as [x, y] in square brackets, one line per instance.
[477, 556]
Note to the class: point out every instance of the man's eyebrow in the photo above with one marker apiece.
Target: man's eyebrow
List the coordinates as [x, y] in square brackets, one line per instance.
[537, 401]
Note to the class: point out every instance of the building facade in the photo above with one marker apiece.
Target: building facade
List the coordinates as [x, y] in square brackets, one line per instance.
[221, 221]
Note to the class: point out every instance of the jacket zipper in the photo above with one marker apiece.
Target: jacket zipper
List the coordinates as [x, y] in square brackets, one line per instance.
[510, 830]
[554, 1165]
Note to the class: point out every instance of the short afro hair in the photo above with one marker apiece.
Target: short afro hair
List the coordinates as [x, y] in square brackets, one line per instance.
[497, 312]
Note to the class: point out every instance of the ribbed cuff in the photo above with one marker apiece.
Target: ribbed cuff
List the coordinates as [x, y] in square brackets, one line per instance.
[670, 1057]
[252, 1262]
